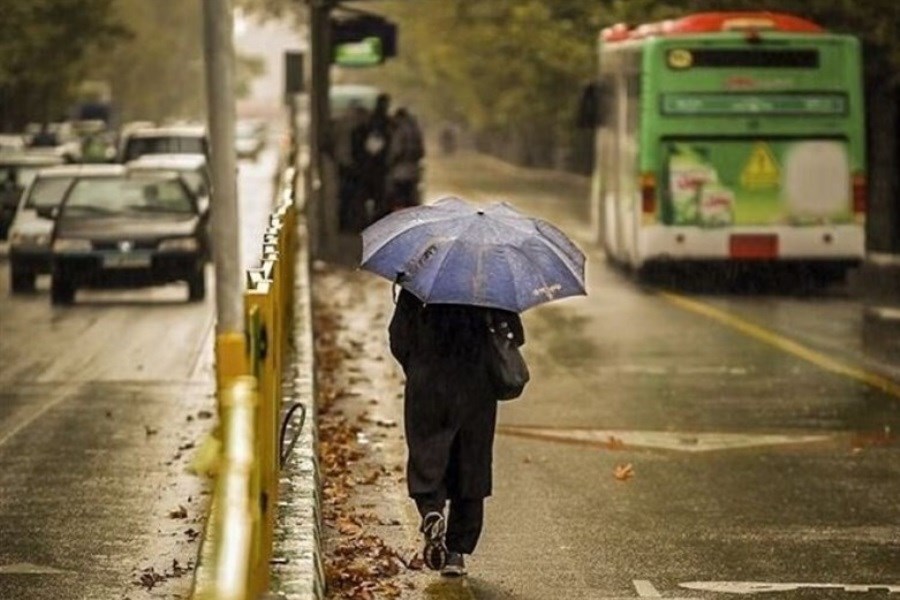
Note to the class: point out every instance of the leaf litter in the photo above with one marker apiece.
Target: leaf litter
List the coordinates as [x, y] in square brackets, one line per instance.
[358, 563]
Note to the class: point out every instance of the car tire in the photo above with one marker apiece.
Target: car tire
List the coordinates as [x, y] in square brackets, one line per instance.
[21, 280]
[62, 291]
[197, 286]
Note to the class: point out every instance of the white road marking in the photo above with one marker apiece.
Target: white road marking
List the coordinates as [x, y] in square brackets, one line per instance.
[664, 440]
[760, 587]
[30, 569]
[885, 313]
[30, 417]
[645, 589]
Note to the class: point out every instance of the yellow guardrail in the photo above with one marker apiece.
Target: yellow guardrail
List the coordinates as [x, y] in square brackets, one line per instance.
[243, 453]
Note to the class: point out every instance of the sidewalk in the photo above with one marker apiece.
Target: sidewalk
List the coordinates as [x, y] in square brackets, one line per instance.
[369, 539]
[877, 284]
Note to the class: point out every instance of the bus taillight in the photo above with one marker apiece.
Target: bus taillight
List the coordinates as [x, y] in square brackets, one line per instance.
[648, 193]
[860, 193]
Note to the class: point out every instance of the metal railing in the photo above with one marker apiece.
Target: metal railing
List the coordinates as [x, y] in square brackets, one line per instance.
[246, 447]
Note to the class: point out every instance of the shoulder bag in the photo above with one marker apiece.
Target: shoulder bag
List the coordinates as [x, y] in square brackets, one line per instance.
[507, 370]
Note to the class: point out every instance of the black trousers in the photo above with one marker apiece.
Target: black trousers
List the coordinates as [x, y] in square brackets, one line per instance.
[464, 520]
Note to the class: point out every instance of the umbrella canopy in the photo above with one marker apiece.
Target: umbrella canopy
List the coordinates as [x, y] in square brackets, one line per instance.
[454, 252]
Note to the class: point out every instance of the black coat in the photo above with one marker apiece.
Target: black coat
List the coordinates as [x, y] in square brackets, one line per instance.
[450, 411]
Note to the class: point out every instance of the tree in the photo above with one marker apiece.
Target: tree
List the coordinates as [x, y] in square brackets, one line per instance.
[157, 73]
[510, 70]
[44, 45]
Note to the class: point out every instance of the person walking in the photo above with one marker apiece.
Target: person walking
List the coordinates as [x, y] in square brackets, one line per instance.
[450, 415]
[405, 152]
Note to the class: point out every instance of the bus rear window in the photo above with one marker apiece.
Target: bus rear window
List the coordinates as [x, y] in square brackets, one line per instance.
[759, 58]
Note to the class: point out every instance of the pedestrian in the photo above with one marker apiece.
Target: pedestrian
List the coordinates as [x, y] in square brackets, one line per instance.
[370, 147]
[350, 208]
[450, 414]
[447, 139]
[404, 155]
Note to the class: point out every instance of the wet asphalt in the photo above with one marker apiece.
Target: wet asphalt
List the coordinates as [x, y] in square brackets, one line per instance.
[101, 406]
[679, 440]
[763, 458]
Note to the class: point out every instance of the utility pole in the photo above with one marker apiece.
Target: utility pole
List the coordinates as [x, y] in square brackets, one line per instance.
[320, 61]
[218, 25]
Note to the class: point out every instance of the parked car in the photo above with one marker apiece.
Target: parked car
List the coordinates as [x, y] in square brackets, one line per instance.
[250, 138]
[11, 142]
[30, 252]
[180, 139]
[59, 139]
[128, 230]
[16, 172]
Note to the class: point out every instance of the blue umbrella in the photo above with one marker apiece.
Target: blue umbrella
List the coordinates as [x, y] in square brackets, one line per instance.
[453, 252]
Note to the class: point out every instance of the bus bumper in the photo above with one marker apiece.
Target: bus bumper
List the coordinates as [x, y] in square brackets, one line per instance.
[838, 243]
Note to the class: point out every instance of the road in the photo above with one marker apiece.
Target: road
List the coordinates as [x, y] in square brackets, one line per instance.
[675, 441]
[101, 405]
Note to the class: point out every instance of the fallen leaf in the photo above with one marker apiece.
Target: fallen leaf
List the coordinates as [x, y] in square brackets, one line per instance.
[613, 443]
[623, 472]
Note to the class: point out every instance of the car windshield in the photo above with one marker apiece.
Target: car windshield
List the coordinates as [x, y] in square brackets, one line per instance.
[17, 176]
[47, 192]
[246, 130]
[194, 181]
[115, 196]
[139, 146]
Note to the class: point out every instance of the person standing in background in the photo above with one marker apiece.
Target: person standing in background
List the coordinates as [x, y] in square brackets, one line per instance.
[404, 155]
[370, 149]
[350, 202]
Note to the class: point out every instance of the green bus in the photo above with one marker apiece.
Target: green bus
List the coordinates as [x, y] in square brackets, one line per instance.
[730, 136]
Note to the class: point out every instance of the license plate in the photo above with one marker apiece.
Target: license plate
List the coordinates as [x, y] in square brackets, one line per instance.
[129, 260]
[753, 246]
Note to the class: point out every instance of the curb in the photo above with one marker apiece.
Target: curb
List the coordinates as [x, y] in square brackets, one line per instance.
[297, 572]
[877, 281]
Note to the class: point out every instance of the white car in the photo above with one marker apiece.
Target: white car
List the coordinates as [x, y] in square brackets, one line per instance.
[178, 139]
[250, 138]
[192, 168]
[30, 252]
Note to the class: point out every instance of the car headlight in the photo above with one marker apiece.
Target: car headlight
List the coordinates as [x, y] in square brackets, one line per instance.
[186, 244]
[71, 245]
[40, 240]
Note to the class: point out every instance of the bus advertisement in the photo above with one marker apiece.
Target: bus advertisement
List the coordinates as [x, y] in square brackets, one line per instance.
[729, 137]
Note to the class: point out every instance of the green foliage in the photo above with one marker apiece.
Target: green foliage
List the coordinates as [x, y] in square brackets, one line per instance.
[517, 66]
[274, 9]
[158, 72]
[44, 45]
[247, 68]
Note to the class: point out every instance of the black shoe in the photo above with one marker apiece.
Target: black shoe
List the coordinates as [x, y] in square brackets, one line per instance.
[435, 553]
[455, 566]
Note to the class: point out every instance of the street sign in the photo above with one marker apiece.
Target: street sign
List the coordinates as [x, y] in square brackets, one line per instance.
[351, 38]
[364, 53]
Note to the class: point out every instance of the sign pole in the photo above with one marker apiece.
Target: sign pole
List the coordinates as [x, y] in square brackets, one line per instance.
[218, 24]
